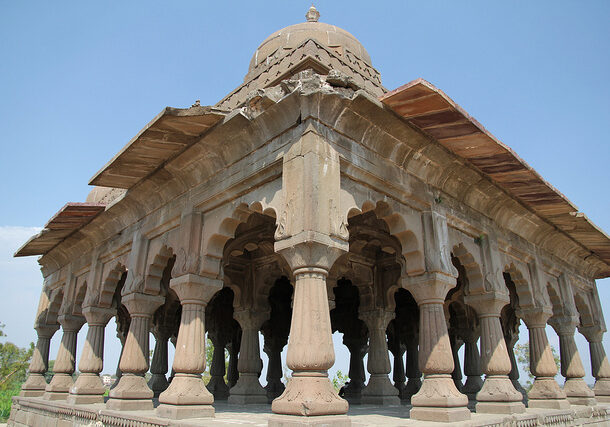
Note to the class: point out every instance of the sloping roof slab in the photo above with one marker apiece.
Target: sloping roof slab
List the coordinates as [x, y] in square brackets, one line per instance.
[168, 134]
[70, 218]
[429, 109]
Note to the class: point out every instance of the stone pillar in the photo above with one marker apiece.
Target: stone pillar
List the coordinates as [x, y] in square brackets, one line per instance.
[217, 385]
[498, 395]
[233, 347]
[472, 367]
[575, 388]
[545, 392]
[132, 392]
[438, 399]
[36, 384]
[158, 366]
[358, 348]
[88, 387]
[413, 372]
[510, 340]
[456, 375]
[248, 389]
[273, 348]
[398, 350]
[379, 390]
[59, 387]
[187, 396]
[600, 367]
[310, 347]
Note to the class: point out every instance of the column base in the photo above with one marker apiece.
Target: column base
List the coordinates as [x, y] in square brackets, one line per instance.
[274, 389]
[88, 383]
[130, 404]
[131, 394]
[321, 421]
[439, 414]
[59, 387]
[218, 388]
[158, 384]
[85, 399]
[498, 396]
[578, 392]
[602, 399]
[34, 386]
[181, 412]
[247, 390]
[307, 394]
[380, 391]
[546, 393]
[186, 389]
[500, 407]
[602, 390]
[438, 390]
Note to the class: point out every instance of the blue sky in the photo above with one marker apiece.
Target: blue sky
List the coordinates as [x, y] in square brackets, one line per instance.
[79, 79]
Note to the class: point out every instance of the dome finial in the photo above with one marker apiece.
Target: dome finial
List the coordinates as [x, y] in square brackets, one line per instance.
[312, 14]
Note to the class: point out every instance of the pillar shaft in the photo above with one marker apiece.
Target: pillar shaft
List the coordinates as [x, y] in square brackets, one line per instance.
[438, 398]
[357, 347]
[132, 392]
[575, 388]
[217, 385]
[310, 349]
[498, 394]
[88, 387]
[61, 382]
[413, 371]
[600, 369]
[545, 392]
[248, 389]
[158, 366]
[379, 390]
[36, 384]
[187, 396]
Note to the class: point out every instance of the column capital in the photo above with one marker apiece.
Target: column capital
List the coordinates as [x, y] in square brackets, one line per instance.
[536, 317]
[429, 287]
[311, 252]
[71, 323]
[250, 319]
[592, 333]
[46, 331]
[195, 289]
[377, 318]
[141, 305]
[564, 325]
[98, 315]
[488, 304]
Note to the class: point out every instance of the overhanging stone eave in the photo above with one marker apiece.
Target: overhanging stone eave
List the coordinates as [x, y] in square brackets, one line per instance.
[169, 133]
[428, 106]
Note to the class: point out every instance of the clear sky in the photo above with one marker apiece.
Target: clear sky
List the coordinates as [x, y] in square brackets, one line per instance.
[79, 79]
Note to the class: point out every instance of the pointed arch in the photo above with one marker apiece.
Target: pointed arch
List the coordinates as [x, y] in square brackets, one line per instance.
[474, 283]
[521, 286]
[398, 227]
[109, 284]
[215, 241]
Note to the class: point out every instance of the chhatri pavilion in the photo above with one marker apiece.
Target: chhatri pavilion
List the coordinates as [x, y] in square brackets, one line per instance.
[312, 200]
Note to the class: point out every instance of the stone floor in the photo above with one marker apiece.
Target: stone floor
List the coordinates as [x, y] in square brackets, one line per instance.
[38, 412]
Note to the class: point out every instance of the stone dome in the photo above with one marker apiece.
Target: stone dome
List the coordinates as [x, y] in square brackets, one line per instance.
[291, 37]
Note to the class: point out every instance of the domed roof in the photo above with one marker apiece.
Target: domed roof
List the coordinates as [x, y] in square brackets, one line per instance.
[291, 37]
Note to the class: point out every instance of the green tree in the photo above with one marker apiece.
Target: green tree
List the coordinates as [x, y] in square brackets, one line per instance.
[14, 362]
[339, 380]
[522, 353]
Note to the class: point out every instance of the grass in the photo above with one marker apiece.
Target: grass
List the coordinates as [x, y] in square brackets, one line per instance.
[6, 400]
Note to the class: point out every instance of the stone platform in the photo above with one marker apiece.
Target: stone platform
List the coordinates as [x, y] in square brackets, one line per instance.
[37, 412]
